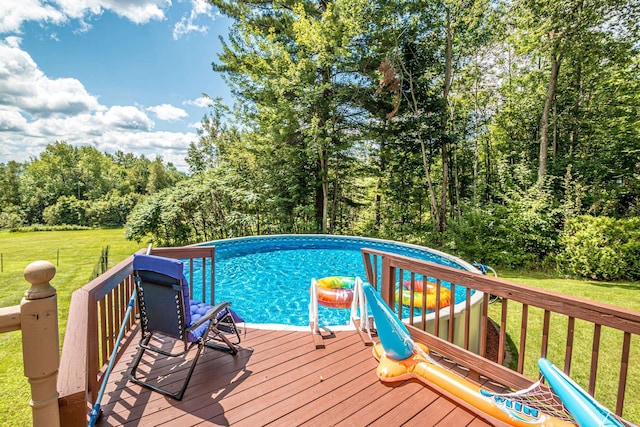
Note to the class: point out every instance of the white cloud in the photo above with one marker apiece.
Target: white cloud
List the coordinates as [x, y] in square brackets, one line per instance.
[202, 102]
[139, 12]
[11, 121]
[188, 23]
[127, 117]
[14, 13]
[168, 112]
[23, 86]
[22, 146]
[36, 110]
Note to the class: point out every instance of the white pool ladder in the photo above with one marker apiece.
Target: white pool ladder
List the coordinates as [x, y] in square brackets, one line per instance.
[363, 322]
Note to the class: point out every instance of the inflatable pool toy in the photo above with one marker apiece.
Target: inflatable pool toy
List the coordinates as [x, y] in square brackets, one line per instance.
[445, 295]
[336, 291]
[584, 408]
[401, 359]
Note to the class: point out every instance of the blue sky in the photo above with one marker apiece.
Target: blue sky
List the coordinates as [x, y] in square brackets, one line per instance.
[113, 74]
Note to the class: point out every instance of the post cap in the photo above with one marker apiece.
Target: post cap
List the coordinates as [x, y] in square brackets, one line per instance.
[39, 274]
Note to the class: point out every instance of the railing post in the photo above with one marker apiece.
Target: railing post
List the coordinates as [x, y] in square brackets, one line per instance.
[40, 343]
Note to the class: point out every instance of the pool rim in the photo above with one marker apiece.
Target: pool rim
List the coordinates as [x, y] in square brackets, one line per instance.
[458, 307]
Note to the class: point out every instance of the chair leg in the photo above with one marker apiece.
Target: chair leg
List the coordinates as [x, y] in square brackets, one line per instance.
[217, 334]
[136, 361]
[180, 393]
[228, 325]
[176, 395]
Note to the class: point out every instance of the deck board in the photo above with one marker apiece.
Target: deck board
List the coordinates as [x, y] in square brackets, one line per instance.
[279, 378]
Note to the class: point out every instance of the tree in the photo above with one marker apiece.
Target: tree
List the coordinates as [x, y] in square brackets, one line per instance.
[552, 32]
[204, 153]
[161, 176]
[208, 206]
[10, 184]
[429, 42]
[291, 61]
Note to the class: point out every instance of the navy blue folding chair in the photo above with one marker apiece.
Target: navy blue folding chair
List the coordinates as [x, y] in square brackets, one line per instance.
[165, 309]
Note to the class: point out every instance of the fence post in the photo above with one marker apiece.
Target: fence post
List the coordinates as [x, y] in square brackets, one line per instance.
[40, 342]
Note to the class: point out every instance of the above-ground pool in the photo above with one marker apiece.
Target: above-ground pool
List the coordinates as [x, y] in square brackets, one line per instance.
[267, 278]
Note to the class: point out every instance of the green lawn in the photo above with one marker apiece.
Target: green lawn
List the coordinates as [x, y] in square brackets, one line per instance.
[76, 252]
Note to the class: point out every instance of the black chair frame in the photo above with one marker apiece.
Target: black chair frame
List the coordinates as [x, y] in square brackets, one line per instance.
[154, 290]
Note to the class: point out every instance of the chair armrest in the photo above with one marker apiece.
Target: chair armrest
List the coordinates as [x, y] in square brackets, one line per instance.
[210, 315]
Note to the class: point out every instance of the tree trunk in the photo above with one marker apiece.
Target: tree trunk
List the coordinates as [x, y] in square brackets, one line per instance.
[442, 217]
[456, 185]
[426, 160]
[476, 147]
[426, 163]
[334, 206]
[544, 120]
[322, 192]
[322, 200]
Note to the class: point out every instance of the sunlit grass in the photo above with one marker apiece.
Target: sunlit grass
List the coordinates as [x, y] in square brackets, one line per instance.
[74, 253]
[625, 295]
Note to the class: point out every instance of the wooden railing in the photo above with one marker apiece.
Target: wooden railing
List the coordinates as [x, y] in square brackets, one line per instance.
[37, 319]
[95, 317]
[525, 304]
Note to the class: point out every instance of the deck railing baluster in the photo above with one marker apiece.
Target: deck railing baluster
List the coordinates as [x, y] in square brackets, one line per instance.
[412, 289]
[203, 295]
[452, 314]
[103, 333]
[523, 337]
[503, 330]
[595, 352]
[545, 333]
[436, 321]
[624, 368]
[569, 349]
[467, 317]
[484, 325]
[110, 324]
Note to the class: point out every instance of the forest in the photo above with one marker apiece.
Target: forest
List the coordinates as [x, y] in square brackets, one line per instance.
[505, 132]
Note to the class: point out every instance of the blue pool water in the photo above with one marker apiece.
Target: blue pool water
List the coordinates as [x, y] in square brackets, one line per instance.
[267, 278]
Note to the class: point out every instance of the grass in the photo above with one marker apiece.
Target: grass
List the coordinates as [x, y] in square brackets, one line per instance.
[620, 294]
[76, 252]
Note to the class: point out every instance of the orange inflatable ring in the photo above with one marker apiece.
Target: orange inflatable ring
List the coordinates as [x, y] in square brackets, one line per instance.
[336, 291]
[445, 295]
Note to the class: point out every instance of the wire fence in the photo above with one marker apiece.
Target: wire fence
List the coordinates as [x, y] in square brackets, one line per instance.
[102, 265]
[9, 258]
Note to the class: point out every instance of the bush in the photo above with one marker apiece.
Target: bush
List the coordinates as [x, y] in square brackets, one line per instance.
[11, 217]
[112, 209]
[522, 232]
[40, 227]
[481, 235]
[67, 210]
[601, 248]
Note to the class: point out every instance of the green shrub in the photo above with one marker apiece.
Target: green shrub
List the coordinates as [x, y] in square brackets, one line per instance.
[112, 209]
[11, 217]
[601, 248]
[521, 232]
[41, 227]
[67, 210]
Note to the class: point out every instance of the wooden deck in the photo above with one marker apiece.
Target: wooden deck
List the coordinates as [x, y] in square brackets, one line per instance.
[279, 378]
